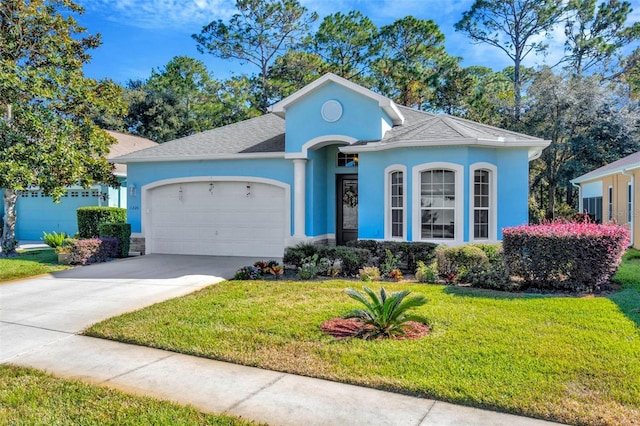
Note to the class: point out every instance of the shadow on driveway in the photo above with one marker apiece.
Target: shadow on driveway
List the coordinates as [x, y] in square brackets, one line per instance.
[159, 266]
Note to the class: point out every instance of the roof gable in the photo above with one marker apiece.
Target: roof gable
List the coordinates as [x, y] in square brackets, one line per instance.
[387, 105]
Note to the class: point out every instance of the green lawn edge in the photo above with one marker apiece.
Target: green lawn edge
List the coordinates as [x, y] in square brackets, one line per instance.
[31, 397]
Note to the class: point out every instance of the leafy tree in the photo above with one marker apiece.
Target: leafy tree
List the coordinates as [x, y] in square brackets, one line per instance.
[48, 138]
[512, 26]
[596, 35]
[491, 99]
[294, 70]
[187, 81]
[412, 61]
[588, 125]
[261, 31]
[346, 43]
[155, 115]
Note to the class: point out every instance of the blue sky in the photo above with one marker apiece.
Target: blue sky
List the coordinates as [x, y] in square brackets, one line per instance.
[141, 35]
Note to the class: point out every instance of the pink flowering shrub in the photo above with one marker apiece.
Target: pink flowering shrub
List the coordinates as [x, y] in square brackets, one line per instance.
[564, 256]
[93, 250]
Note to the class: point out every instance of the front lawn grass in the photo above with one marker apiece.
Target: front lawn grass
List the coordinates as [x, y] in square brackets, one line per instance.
[573, 360]
[29, 263]
[30, 397]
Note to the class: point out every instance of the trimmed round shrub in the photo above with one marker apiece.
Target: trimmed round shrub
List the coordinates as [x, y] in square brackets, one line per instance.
[574, 257]
[90, 218]
[119, 231]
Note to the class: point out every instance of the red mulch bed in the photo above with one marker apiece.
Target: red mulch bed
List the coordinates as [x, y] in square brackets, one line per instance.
[341, 328]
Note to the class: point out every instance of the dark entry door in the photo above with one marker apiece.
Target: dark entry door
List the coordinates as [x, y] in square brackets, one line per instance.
[347, 208]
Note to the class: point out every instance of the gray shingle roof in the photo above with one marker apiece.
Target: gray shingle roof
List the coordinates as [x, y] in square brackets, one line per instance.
[266, 134]
[628, 162]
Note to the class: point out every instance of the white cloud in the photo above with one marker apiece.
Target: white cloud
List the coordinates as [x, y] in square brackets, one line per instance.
[161, 14]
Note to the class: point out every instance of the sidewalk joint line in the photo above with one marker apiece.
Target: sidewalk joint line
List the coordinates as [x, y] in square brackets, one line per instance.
[138, 368]
[254, 393]
[38, 327]
[433, 403]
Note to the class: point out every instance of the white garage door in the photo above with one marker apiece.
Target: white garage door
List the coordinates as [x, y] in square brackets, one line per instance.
[217, 218]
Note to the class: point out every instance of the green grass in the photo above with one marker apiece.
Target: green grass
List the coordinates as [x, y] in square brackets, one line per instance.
[30, 397]
[574, 360]
[29, 263]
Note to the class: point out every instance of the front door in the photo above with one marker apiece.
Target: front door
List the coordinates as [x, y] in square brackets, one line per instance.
[347, 208]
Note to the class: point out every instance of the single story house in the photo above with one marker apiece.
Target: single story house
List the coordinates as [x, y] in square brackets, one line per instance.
[36, 213]
[333, 162]
[609, 193]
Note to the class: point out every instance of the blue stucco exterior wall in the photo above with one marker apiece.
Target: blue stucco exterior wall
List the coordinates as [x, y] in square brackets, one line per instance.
[361, 119]
[512, 184]
[37, 214]
[140, 174]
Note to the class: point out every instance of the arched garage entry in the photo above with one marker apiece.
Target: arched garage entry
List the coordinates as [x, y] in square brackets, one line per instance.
[222, 216]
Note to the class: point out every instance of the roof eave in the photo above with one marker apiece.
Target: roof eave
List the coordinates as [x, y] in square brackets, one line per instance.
[495, 143]
[174, 158]
[586, 178]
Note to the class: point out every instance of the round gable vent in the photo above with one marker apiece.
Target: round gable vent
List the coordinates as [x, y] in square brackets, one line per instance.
[331, 111]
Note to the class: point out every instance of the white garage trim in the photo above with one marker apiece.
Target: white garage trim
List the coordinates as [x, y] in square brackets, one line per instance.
[147, 201]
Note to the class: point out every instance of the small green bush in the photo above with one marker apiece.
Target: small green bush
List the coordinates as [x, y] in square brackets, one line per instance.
[247, 273]
[309, 268]
[455, 262]
[119, 231]
[54, 239]
[90, 218]
[426, 273]
[369, 273]
[389, 263]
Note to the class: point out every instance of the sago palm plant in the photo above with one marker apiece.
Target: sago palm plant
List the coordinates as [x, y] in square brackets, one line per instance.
[385, 315]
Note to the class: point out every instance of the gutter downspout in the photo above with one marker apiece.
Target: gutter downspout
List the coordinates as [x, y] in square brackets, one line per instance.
[633, 202]
[580, 206]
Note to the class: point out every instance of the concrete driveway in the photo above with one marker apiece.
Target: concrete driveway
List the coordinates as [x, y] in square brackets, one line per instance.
[41, 310]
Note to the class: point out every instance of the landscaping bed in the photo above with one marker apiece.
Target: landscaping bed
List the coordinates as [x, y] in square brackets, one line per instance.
[568, 359]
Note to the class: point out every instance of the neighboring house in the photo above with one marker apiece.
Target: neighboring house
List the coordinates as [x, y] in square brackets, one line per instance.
[609, 193]
[37, 213]
[331, 163]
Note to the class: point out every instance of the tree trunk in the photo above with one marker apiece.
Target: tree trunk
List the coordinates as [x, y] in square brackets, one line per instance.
[8, 241]
[517, 89]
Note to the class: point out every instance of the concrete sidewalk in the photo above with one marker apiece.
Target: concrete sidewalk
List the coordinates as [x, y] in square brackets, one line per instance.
[251, 393]
[40, 319]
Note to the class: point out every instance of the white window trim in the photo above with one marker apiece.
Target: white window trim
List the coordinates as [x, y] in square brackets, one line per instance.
[493, 200]
[459, 204]
[387, 202]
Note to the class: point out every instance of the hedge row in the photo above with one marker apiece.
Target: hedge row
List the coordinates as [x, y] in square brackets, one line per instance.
[564, 256]
[358, 254]
[408, 253]
[93, 250]
[90, 218]
[119, 231]
[351, 259]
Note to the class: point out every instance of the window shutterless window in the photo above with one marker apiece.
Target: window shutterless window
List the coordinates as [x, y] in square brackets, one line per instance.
[438, 204]
[481, 204]
[396, 186]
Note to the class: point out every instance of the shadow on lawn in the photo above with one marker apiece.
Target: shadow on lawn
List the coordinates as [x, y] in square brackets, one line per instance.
[627, 299]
